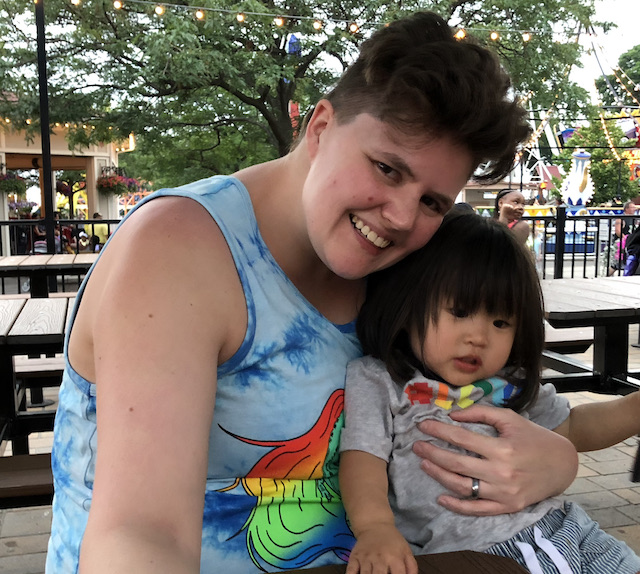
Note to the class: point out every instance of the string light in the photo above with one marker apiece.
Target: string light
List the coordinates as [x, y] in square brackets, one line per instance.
[624, 87]
[316, 23]
[199, 14]
[608, 137]
[117, 4]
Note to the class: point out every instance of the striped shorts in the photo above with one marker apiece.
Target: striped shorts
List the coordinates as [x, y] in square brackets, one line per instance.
[568, 542]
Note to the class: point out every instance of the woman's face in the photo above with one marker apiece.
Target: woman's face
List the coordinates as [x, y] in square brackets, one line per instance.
[373, 195]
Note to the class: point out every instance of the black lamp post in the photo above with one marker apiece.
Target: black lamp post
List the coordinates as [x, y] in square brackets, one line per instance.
[47, 180]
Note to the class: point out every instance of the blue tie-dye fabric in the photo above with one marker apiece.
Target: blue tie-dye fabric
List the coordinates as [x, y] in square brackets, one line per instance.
[271, 501]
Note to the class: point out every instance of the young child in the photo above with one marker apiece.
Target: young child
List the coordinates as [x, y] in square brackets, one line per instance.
[457, 323]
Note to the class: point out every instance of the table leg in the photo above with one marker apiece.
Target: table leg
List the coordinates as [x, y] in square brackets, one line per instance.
[39, 284]
[610, 353]
[7, 390]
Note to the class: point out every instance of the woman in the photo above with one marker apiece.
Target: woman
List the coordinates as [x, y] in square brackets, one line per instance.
[214, 446]
[509, 209]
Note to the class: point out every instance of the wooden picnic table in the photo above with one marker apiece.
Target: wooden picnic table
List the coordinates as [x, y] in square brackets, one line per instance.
[39, 268]
[32, 327]
[463, 562]
[609, 305]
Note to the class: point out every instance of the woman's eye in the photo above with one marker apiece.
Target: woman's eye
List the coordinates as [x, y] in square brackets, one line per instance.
[431, 203]
[384, 168]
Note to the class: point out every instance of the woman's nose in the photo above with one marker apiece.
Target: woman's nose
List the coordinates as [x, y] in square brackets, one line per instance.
[401, 210]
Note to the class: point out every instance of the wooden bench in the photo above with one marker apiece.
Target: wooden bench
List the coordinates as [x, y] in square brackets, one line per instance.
[25, 480]
[39, 372]
[568, 341]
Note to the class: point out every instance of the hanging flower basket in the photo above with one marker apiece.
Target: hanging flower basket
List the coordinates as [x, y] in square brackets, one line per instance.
[12, 183]
[112, 185]
[21, 209]
[116, 184]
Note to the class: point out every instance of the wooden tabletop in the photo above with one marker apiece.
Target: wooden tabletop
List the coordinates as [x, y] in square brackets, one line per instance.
[59, 261]
[579, 302]
[464, 562]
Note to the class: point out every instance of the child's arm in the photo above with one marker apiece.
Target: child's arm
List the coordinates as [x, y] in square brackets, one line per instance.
[379, 547]
[599, 425]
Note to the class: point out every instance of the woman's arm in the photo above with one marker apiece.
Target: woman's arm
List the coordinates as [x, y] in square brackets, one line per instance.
[600, 425]
[157, 310]
[379, 547]
[526, 463]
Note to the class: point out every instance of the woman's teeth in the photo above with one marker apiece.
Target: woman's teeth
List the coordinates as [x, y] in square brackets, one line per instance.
[371, 235]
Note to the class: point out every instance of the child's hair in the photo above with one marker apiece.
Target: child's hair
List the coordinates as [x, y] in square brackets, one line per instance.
[415, 75]
[502, 193]
[477, 264]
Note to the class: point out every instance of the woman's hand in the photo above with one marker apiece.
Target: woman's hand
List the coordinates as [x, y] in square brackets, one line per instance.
[381, 549]
[526, 463]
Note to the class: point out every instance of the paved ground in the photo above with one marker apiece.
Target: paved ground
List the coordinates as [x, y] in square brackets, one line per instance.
[602, 488]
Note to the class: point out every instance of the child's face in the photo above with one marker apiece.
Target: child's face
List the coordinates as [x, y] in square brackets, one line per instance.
[463, 348]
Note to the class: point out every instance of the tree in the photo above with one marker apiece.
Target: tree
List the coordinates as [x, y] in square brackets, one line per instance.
[213, 95]
[611, 177]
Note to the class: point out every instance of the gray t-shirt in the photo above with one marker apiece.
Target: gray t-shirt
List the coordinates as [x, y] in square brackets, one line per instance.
[381, 418]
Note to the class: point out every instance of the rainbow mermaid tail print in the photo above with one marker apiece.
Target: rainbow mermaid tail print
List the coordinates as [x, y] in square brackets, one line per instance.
[298, 515]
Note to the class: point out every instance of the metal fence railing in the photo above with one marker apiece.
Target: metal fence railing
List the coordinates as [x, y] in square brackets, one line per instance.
[567, 245]
[563, 244]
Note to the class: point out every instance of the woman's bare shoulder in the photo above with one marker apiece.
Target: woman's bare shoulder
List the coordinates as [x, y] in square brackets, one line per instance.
[168, 259]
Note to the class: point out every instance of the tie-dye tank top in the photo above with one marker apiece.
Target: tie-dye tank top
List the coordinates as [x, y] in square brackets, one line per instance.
[272, 501]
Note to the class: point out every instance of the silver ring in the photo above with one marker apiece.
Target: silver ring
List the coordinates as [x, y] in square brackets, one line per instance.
[475, 489]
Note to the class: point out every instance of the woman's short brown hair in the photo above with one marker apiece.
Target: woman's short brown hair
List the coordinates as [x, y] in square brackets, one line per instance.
[416, 76]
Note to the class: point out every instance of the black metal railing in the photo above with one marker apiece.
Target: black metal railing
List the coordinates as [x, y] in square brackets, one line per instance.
[567, 245]
[563, 244]
[28, 237]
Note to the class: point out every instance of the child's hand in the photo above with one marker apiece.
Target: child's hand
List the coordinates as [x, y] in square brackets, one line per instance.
[381, 550]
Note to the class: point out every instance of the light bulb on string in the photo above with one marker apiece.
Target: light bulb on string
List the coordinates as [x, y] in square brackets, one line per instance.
[317, 25]
[240, 17]
[494, 36]
[199, 14]
[353, 27]
[74, 2]
[278, 21]
[526, 37]
[117, 4]
[159, 9]
[460, 34]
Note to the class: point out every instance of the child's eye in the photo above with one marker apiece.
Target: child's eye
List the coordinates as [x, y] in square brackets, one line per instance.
[460, 313]
[501, 324]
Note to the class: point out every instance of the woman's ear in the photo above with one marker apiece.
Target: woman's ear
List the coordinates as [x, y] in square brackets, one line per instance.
[320, 120]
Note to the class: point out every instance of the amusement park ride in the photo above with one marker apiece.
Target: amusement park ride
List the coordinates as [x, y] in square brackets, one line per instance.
[533, 171]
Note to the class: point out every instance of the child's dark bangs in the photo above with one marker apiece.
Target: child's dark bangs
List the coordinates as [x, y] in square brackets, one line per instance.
[485, 276]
